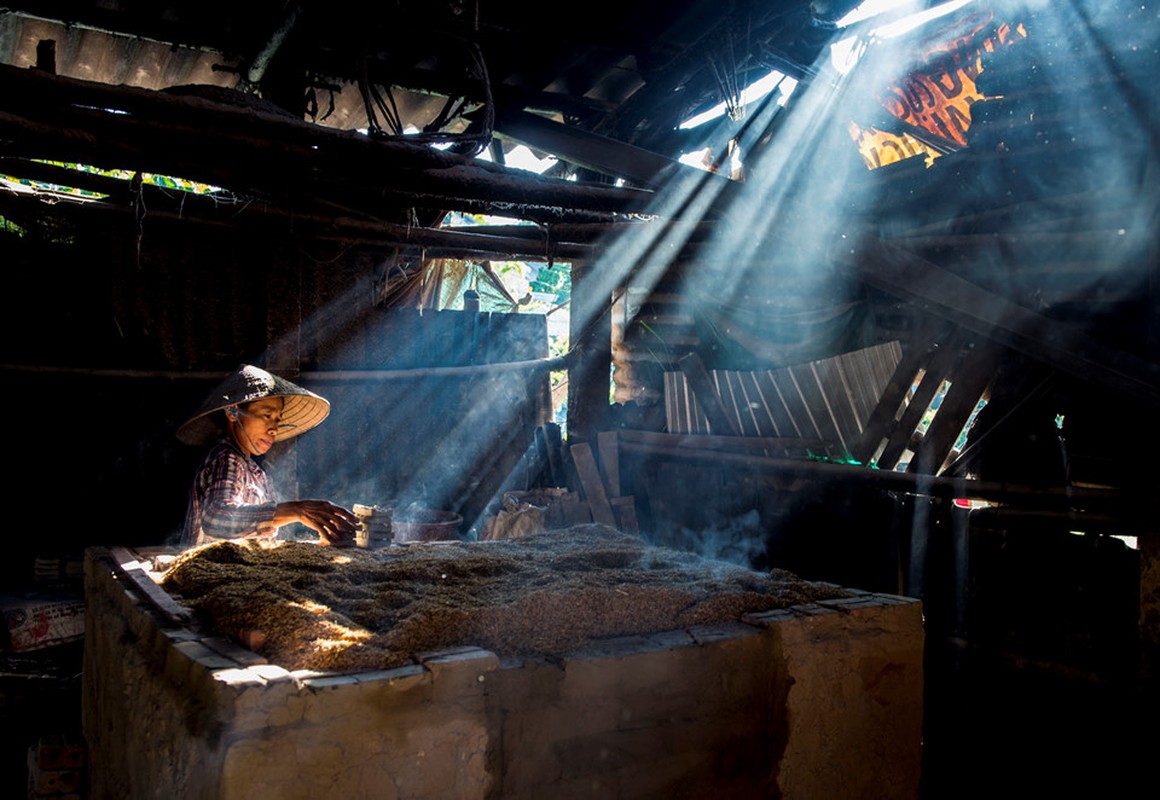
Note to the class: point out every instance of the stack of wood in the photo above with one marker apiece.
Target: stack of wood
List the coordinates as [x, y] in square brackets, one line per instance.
[597, 496]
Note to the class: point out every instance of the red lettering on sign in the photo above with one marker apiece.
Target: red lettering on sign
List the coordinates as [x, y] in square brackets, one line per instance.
[938, 96]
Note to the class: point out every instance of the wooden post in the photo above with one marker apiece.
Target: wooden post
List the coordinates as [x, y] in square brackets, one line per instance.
[1148, 544]
[283, 351]
[607, 446]
[592, 483]
[591, 335]
[720, 422]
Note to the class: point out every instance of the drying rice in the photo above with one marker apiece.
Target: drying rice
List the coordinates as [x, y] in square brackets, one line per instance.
[545, 594]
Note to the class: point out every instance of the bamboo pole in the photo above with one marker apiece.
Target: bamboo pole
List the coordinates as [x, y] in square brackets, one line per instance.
[1067, 498]
[554, 364]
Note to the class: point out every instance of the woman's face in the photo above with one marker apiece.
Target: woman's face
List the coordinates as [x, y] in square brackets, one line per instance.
[254, 425]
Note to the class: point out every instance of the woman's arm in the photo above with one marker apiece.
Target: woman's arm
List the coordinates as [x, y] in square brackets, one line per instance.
[238, 501]
[334, 524]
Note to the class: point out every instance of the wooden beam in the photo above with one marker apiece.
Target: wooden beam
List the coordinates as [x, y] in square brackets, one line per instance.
[352, 230]
[720, 422]
[432, 81]
[592, 483]
[1134, 511]
[592, 151]
[590, 332]
[607, 448]
[257, 150]
[925, 284]
[937, 367]
[968, 383]
[763, 446]
[129, 568]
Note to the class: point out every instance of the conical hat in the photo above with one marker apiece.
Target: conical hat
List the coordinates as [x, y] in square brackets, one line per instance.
[302, 408]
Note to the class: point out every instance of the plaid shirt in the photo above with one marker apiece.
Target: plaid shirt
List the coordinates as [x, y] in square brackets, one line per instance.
[232, 498]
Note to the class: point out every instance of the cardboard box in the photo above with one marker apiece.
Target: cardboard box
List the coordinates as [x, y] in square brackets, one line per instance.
[38, 621]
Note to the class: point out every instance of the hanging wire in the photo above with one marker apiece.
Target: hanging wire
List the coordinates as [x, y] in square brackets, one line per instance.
[138, 192]
[726, 73]
[314, 83]
[549, 246]
[384, 120]
[450, 111]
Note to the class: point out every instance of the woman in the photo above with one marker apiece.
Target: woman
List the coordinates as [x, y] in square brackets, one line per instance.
[232, 495]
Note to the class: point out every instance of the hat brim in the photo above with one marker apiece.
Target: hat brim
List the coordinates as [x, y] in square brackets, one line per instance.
[302, 409]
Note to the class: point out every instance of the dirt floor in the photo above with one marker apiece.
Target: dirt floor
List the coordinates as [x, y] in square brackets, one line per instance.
[544, 594]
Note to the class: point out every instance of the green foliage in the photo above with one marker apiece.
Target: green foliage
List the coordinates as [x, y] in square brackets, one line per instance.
[553, 279]
[8, 226]
[537, 288]
[845, 458]
[163, 181]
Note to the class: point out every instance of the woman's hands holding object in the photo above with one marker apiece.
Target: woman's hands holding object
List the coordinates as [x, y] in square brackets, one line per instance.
[334, 525]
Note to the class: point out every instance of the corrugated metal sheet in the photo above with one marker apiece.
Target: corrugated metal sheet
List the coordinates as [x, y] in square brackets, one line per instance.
[84, 53]
[829, 400]
[91, 55]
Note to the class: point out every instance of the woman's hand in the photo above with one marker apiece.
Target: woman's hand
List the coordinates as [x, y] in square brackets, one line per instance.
[334, 524]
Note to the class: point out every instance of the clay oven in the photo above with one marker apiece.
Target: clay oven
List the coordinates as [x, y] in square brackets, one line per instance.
[819, 698]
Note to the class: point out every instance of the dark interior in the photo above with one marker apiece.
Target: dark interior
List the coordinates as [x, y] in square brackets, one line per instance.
[993, 245]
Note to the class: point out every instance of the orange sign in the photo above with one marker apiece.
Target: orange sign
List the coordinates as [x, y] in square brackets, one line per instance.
[935, 99]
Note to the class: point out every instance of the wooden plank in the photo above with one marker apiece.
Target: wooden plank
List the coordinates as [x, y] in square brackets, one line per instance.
[1061, 345]
[625, 510]
[554, 446]
[824, 401]
[968, 383]
[763, 416]
[761, 446]
[882, 419]
[683, 414]
[673, 416]
[127, 565]
[867, 372]
[592, 483]
[597, 152]
[698, 422]
[749, 410]
[608, 446]
[795, 406]
[813, 399]
[854, 373]
[699, 381]
[940, 365]
[783, 424]
[575, 512]
[838, 387]
[1020, 382]
[723, 382]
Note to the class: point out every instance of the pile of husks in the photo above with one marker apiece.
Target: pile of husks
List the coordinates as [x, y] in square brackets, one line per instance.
[546, 594]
